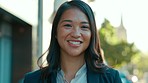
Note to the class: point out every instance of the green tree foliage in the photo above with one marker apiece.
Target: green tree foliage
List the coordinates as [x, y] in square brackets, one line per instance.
[116, 52]
[138, 65]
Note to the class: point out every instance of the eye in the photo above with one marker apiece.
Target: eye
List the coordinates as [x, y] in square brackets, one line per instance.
[85, 27]
[67, 25]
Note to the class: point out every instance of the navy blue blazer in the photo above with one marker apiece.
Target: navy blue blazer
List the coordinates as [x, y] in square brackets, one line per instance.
[110, 76]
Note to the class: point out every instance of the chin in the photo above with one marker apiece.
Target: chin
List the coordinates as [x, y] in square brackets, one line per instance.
[75, 54]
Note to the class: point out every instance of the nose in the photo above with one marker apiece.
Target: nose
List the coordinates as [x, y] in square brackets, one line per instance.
[76, 33]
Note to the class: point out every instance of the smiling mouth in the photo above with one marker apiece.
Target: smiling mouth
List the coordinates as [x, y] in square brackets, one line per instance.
[75, 42]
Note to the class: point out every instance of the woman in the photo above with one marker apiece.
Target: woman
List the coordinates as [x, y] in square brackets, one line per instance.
[74, 55]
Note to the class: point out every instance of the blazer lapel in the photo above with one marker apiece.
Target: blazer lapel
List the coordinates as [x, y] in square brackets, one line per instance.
[92, 77]
[53, 77]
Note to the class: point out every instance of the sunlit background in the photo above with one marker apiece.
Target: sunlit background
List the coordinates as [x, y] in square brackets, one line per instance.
[133, 14]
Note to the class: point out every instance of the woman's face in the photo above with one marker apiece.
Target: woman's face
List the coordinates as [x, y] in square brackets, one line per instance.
[73, 32]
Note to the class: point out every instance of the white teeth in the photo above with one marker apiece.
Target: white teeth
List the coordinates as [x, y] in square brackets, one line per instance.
[72, 42]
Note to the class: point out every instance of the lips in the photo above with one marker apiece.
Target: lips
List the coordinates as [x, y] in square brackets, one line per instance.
[74, 42]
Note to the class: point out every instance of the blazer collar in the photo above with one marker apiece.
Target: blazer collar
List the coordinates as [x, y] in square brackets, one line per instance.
[53, 77]
[91, 76]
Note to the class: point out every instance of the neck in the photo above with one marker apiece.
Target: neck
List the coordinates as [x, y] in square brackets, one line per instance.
[70, 65]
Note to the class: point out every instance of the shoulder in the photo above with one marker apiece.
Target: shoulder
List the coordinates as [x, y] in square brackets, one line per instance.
[112, 72]
[32, 77]
[109, 75]
[113, 75]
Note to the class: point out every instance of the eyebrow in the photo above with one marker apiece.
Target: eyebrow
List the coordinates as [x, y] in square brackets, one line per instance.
[66, 21]
[71, 21]
[84, 22]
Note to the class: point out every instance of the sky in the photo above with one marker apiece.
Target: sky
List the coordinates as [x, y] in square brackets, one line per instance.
[134, 14]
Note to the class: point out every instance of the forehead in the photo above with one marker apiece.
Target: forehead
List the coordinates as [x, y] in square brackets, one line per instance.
[74, 13]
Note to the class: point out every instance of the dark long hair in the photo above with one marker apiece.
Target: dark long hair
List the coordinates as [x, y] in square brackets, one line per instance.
[93, 55]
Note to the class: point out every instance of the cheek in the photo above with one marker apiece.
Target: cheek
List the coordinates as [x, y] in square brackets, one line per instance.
[87, 36]
[88, 39]
[58, 34]
[62, 33]
[59, 31]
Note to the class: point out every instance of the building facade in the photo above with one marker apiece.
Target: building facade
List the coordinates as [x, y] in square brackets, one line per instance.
[15, 47]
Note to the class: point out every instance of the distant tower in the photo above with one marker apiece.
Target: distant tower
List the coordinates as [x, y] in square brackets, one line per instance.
[121, 31]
